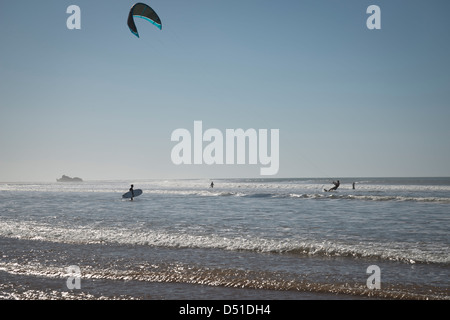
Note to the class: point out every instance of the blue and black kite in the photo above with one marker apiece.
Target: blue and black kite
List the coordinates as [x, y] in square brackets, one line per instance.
[141, 10]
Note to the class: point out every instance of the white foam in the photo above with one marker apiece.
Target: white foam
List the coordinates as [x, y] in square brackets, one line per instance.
[201, 187]
[405, 252]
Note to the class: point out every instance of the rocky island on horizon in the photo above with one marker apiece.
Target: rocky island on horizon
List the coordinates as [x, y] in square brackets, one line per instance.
[65, 178]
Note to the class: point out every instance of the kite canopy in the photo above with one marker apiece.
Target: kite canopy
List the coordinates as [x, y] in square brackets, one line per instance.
[141, 10]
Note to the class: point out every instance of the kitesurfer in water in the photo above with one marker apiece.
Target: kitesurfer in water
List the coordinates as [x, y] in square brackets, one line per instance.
[212, 184]
[132, 192]
[336, 185]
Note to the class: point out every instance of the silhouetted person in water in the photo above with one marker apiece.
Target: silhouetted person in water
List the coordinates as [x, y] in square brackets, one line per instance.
[212, 184]
[132, 192]
[336, 185]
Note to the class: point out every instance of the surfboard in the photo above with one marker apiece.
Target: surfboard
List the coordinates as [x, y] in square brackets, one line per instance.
[137, 193]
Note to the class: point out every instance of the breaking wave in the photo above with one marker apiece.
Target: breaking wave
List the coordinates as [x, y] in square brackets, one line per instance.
[402, 252]
[231, 278]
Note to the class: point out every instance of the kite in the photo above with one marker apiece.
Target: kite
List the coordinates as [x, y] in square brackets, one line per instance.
[141, 10]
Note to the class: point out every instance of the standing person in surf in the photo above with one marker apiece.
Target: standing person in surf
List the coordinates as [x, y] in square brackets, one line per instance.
[132, 192]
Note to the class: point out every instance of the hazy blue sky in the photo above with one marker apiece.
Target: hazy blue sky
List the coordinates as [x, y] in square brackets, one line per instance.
[99, 103]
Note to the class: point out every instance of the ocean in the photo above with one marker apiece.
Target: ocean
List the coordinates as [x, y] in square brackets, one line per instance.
[244, 239]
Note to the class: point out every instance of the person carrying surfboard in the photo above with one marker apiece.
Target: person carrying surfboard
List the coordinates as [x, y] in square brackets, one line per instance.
[132, 192]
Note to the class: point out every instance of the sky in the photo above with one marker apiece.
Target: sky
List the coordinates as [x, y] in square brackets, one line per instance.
[101, 104]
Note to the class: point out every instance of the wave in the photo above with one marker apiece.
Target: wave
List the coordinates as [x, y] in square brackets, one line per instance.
[318, 195]
[224, 277]
[410, 253]
[397, 193]
[306, 195]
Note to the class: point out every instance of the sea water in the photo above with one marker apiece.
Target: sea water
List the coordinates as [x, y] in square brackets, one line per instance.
[242, 239]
